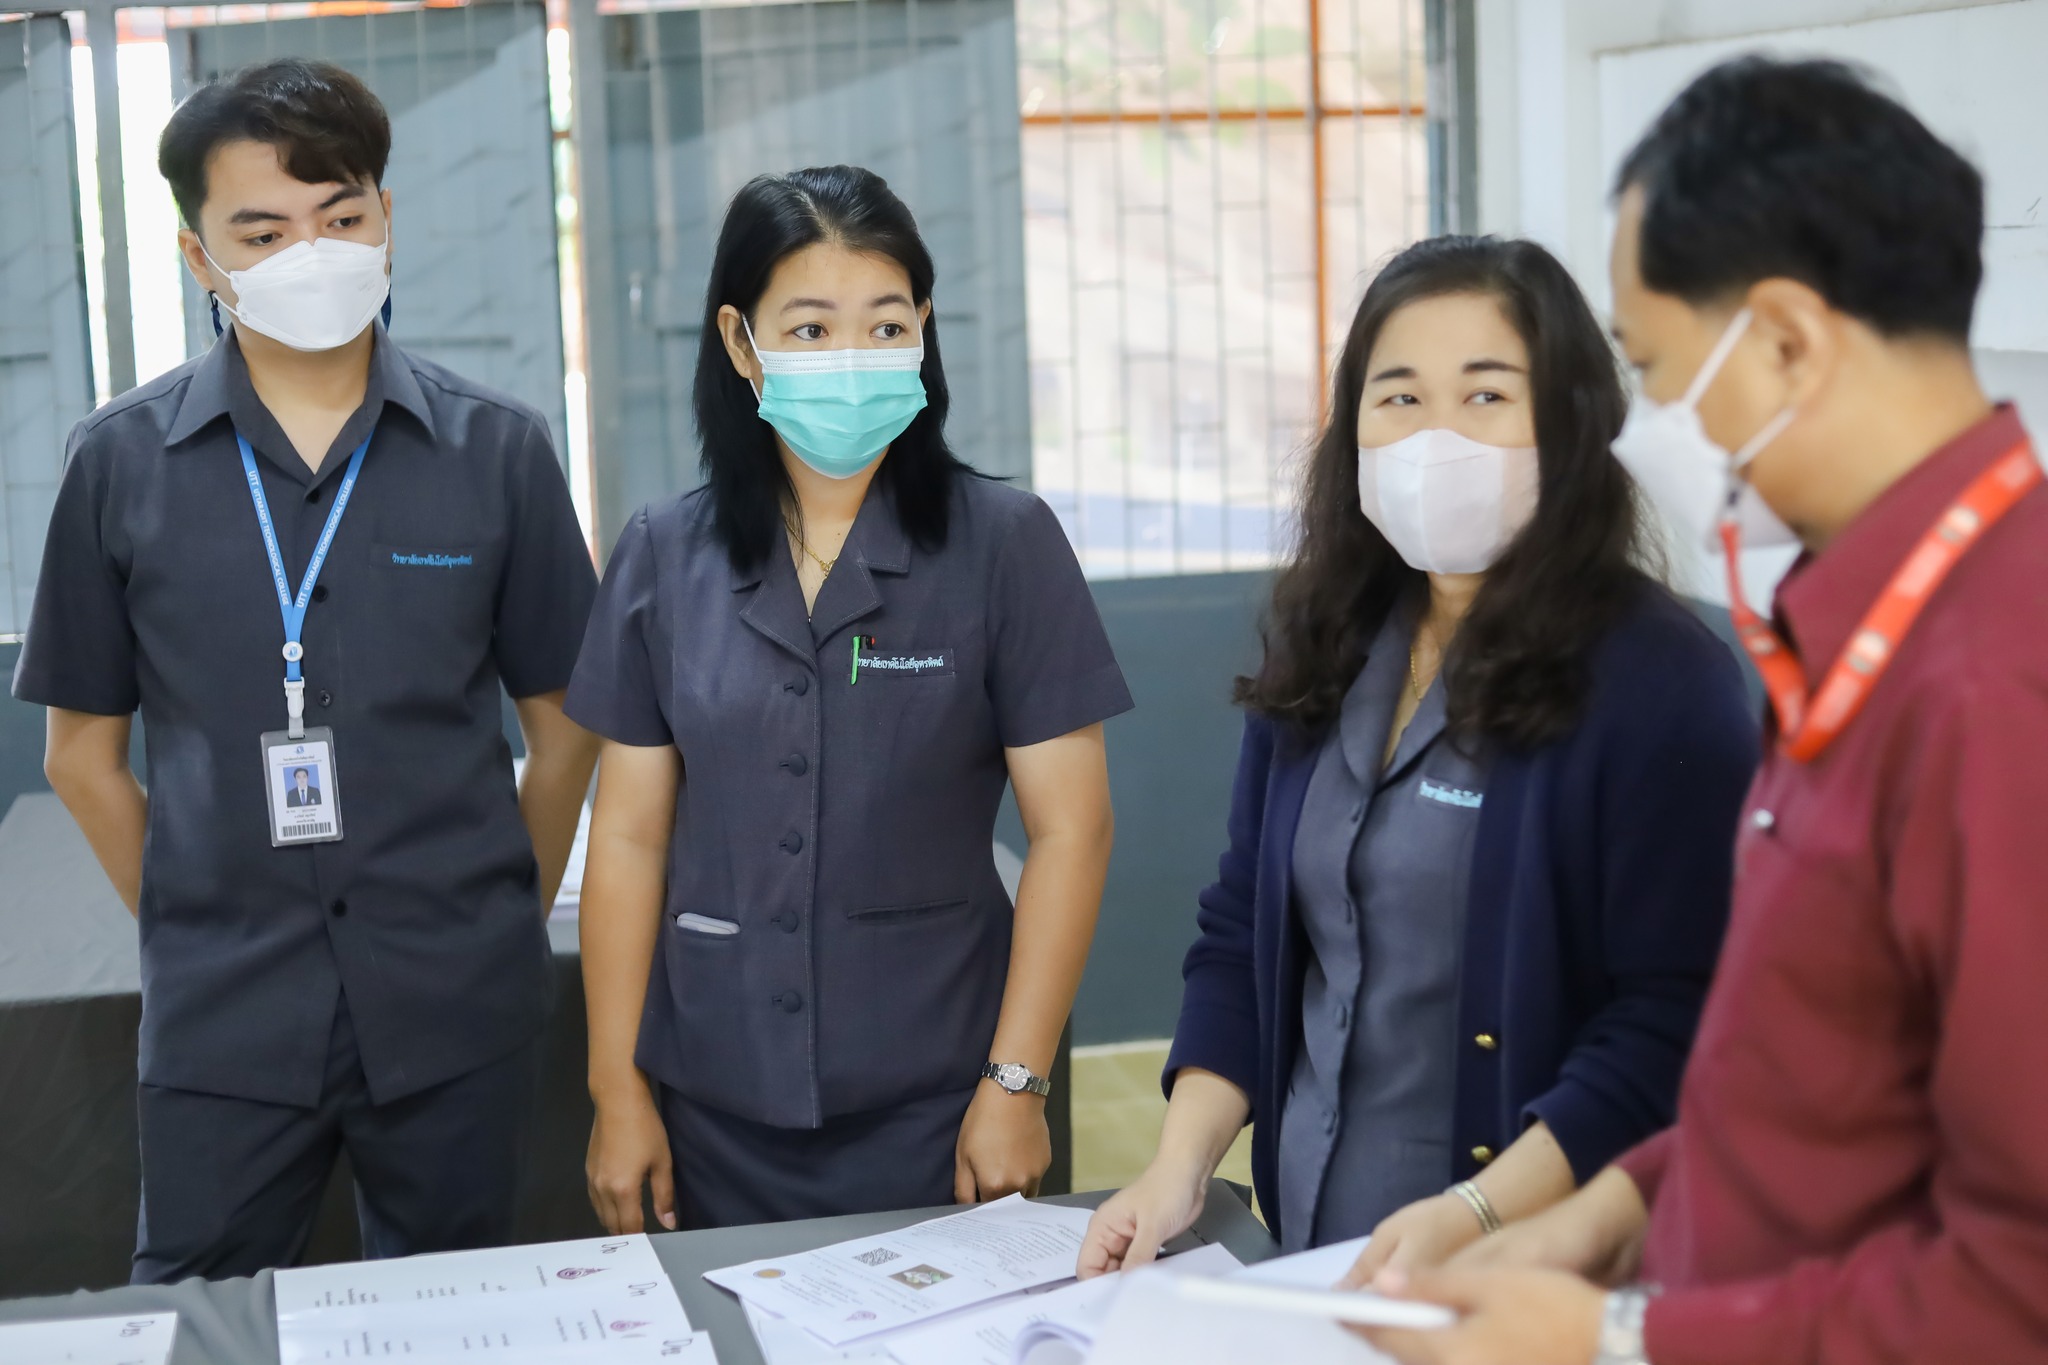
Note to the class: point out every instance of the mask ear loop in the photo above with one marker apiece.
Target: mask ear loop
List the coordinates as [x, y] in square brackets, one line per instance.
[757, 358]
[1716, 358]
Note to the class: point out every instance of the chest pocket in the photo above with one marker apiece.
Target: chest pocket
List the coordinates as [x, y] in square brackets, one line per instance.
[443, 595]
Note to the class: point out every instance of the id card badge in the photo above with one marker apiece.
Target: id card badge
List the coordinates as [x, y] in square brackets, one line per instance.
[303, 788]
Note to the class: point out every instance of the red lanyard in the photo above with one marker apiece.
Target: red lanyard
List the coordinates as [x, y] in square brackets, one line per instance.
[1807, 725]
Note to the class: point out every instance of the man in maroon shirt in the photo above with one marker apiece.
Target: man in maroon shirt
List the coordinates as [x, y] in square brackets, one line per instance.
[1859, 1171]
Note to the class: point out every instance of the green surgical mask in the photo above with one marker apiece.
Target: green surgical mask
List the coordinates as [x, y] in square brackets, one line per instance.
[839, 410]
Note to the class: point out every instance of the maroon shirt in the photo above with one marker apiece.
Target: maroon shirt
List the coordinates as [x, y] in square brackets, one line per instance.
[1859, 1172]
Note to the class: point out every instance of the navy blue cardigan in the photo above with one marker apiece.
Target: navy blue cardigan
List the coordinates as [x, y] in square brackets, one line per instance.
[1599, 892]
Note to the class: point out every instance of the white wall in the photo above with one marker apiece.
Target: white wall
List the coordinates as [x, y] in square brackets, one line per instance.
[1566, 87]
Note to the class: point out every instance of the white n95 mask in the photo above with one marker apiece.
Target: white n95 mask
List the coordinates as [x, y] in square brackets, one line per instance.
[312, 296]
[1696, 483]
[1447, 503]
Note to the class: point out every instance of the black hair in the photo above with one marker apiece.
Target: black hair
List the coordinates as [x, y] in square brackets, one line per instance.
[325, 124]
[1516, 672]
[770, 218]
[1803, 170]
[301, 772]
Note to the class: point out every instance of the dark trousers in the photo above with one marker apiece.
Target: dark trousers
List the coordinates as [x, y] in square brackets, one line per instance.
[732, 1171]
[231, 1186]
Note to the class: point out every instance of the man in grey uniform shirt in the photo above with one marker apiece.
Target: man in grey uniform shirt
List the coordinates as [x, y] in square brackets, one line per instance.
[308, 549]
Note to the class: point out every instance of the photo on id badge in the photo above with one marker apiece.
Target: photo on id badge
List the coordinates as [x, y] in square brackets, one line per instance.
[304, 790]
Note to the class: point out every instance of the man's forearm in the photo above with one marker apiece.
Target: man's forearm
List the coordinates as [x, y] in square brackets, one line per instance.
[551, 793]
[112, 810]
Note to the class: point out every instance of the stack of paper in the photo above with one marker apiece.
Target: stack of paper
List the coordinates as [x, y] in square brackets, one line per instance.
[859, 1289]
[1054, 1328]
[983, 1287]
[90, 1341]
[605, 1301]
[1159, 1318]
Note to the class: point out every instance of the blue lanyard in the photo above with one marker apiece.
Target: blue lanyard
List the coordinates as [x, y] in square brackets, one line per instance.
[294, 609]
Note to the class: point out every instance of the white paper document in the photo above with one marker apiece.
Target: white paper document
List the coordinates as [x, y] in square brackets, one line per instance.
[603, 1301]
[141, 1340]
[1317, 1269]
[785, 1343]
[596, 1261]
[876, 1284]
[1350, 1306]
[1053, 1328]
[1154, 1319]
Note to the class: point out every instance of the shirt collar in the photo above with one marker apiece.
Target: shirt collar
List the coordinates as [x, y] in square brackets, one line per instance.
[1826, 596]
[220, 386]
[877, 541]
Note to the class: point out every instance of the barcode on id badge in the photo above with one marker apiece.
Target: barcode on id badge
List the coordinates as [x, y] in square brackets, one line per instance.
[314, 831]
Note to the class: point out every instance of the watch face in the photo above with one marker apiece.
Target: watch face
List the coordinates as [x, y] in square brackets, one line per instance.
[1011, 1076]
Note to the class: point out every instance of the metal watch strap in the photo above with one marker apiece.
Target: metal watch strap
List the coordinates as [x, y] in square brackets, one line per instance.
[1621, 1326]
[1016, 1078]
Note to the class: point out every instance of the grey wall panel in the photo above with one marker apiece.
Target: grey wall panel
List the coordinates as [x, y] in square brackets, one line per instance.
[45, 352]
[695, 103]
[1181, 641]
[474, 283]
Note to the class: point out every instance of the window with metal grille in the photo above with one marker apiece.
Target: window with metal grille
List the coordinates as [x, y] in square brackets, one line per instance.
[1208, 184]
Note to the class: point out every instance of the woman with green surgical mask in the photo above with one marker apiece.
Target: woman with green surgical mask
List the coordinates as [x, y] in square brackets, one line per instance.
[809, 992]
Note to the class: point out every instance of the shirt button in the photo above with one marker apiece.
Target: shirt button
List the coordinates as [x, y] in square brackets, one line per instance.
[1482, 1154]
[338, 909]
[1487, 1041]
[1764, 820]
[799, 685]
[787, 921]
[320, 593]
[792, 842]
[326, 698]
[797, 765]
[790, 1002]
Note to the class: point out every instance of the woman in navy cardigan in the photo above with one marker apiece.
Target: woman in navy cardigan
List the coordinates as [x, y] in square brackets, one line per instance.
[1479, 841]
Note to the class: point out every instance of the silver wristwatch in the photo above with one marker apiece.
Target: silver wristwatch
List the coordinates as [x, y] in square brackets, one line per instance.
[1621, 1326]
[1016, 1078]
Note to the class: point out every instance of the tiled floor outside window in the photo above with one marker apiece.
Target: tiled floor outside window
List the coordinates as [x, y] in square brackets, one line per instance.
[1117, 1113]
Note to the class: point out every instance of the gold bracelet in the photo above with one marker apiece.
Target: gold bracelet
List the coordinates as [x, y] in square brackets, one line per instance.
[1482, 1207]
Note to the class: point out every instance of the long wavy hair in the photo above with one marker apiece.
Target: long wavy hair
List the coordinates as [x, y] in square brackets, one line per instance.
[772, 217]
[1516, 672]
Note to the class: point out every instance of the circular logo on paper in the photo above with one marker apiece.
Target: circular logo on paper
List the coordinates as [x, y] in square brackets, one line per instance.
[577, 1272]
[771, 1273]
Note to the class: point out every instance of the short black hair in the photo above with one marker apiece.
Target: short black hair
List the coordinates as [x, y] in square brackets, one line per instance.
[301, 772]
[774, 216]
[325, 124]
[1764, 168]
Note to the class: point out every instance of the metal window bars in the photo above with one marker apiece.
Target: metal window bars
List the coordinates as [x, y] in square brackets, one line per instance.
[1208, 183]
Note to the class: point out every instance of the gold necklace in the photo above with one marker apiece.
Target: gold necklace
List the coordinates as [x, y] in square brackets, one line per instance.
[1414, 673]
[824, 564]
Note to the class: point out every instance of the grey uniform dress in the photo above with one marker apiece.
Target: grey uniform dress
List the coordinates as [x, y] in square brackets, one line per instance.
[836, 938]
[1382, 862]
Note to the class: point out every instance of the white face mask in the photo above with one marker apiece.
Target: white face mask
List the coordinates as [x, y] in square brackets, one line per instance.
[312, 296]
[1447, 503]
[1695, 482]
